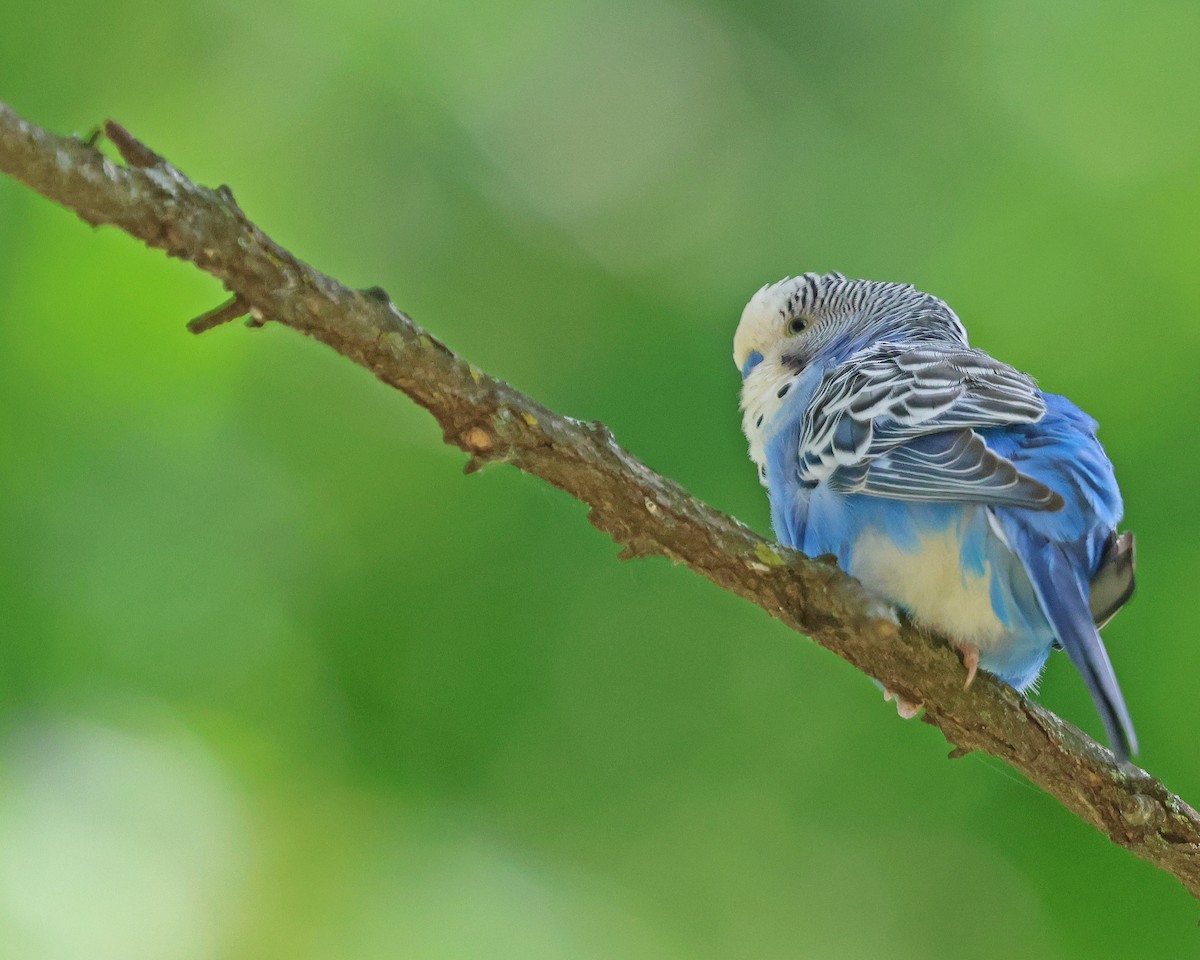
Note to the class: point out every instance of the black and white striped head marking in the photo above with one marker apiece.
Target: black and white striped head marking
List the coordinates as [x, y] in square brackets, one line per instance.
[797, 316]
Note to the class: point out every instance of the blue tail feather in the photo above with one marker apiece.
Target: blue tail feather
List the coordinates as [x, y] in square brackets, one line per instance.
[1064, 599]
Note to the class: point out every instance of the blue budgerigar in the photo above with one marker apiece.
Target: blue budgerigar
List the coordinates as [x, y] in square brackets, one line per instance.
[940, 477]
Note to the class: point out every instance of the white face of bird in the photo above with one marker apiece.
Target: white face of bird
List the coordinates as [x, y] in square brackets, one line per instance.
[774, 324]
[775, 317]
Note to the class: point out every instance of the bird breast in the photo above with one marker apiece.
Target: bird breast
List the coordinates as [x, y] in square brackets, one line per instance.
[932, 583]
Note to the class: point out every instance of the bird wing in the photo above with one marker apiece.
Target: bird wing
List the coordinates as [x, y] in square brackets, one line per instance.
[1113, 582]
[900, 422]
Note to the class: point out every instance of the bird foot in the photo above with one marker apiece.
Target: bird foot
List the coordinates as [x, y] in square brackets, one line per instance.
[905, 708]
[970, 658]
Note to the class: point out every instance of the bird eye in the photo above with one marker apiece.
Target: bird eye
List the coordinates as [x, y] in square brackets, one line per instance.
[797, 324]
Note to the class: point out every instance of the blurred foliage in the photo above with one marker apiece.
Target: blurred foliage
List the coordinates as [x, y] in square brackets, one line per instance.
[276, 681]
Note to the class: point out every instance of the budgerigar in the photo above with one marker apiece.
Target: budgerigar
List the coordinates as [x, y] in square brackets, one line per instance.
[940, 477]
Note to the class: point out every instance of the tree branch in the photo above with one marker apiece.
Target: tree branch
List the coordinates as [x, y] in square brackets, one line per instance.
[644, 512]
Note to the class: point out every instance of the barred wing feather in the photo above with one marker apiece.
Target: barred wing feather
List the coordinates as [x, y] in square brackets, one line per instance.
[900, 423]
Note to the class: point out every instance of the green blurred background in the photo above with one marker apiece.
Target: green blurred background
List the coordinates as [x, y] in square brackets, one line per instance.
[277, 681]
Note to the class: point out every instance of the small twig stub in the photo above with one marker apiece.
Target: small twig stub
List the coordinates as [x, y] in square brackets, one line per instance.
[231, 309]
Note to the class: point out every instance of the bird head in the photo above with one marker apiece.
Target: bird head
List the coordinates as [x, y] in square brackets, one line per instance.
[787, 324]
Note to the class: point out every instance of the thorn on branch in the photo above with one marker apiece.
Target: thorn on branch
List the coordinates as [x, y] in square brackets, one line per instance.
[601, 430]
[227, 197]
[958, 753]
[230, 310]
[134, 152]
[378, 294]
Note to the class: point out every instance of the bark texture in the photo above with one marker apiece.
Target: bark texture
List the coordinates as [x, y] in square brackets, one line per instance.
[647, 514]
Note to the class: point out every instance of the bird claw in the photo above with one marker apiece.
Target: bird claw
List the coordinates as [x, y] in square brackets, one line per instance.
[970, 658]
[906, 709]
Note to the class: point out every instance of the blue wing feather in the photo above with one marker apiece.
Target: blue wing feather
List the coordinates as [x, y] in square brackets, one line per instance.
[951, 466]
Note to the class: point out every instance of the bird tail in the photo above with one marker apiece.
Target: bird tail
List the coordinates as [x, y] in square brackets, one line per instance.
[1064, 599]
